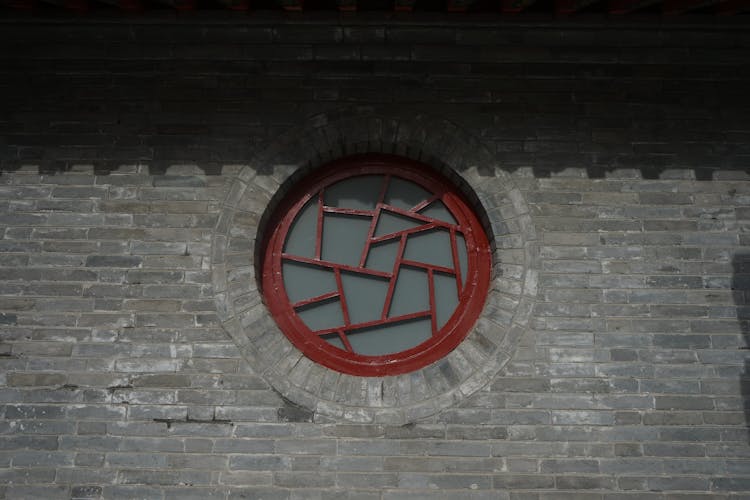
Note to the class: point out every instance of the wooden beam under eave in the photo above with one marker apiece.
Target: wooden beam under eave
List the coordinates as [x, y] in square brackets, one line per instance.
[515, 6]
[732, 7]
[18, 4]
[79, 6]
[566, 7]
[239, 5]
[627, 6]
[347, 5]
[674, 7]
[458, 5]
[130, 5]
[181, 5]
[403, 5]
[291, 5]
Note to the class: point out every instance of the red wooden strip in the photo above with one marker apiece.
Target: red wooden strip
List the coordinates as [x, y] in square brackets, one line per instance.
[313, 300]
[429, 267]
[334, 265]
[394, 277]
[319, 233]
[456, 262]
[348, 211]
[377, 322]
[393, 236]
[425, 203]
[433, 312]
[340, 286]
[374, 221]
[416, 216]
[345, 341]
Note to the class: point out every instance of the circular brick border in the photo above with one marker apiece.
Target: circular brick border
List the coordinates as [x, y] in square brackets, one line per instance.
[393, 399]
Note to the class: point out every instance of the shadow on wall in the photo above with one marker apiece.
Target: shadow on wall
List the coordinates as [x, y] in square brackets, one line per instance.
[741, 288]
[209, 167]
[162, 146]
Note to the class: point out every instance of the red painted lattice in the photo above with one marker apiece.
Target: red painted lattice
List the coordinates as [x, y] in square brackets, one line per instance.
[471, 289]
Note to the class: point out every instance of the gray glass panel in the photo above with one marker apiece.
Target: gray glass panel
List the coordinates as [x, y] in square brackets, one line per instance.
[405, 194]
[365, 296]
[356, 192]
[344, 238]
[388, 339]
[390, 223]
[430, 247]
[322, 316]
[303, 234]
[382, 256]
[438, 211]
[412, 292]
[334, 340]
[302, 281]
[446, 297]
[463, 257]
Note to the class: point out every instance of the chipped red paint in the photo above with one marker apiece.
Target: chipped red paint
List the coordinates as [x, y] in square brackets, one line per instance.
[471, 297]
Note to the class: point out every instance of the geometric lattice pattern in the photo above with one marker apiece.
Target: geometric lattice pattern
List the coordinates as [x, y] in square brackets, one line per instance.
[374, 264]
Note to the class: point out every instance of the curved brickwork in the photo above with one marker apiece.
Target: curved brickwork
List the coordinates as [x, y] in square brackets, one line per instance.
[400, 398]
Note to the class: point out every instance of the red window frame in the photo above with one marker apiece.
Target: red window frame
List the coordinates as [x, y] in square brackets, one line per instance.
[471, 298]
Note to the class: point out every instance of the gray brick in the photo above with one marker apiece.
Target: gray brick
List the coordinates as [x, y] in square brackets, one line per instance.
[522, 481]
[259, 462]
[86, 492]
[730, 484]
[41, 459]
[113, 261]
[585, 483]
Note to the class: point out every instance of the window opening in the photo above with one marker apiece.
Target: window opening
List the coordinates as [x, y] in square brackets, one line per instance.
[376, 265]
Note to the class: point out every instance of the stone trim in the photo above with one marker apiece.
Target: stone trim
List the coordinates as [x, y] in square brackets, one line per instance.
[395, 399]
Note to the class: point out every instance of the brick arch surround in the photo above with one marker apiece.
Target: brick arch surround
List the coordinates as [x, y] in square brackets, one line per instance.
[395, 399]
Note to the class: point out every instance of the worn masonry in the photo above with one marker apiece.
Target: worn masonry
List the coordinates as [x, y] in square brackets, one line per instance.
[137, 160]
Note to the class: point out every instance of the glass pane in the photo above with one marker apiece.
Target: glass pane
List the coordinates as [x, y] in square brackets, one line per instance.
[365, 296]
[390, 223]
[303, 281]
[446, 297]
[357, 192]
[344, 238]
[405, 194]
[388, 339]
[303, 234]
[334, 340]
[412, 292]
[463, 257]
[430, 247]
[382, 256]
[438, 211]
[322, 315]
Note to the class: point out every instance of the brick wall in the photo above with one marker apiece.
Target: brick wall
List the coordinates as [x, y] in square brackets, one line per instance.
[627, 145]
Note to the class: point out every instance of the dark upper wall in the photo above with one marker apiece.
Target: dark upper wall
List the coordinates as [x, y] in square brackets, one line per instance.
[612, 95]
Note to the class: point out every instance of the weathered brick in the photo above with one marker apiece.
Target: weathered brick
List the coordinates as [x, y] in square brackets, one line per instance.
[624, 162]
[113, 261]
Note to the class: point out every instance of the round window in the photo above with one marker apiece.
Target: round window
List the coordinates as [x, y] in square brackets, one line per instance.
[375, 265]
